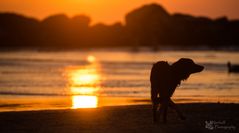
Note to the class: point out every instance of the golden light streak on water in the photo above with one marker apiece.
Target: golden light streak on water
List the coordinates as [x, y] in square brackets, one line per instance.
[84, 84]
[80, 101]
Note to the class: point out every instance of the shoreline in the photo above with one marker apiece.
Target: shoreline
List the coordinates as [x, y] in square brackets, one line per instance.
[30, 103]
[131, 118]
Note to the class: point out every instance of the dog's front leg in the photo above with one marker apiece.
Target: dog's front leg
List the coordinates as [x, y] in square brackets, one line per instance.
[174, 106]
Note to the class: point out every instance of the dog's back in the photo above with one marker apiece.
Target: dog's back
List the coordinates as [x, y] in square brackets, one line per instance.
[160, 79]
[158, 71]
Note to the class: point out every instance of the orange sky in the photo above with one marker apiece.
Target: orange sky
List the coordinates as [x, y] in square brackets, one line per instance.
[110, 11]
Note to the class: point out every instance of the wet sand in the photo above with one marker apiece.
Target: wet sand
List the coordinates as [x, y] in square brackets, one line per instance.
[123, 119]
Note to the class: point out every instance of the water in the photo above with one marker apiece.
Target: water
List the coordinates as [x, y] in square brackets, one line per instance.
[32, 80]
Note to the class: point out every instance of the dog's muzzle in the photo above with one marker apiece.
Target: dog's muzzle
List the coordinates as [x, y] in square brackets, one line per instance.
[196, 68]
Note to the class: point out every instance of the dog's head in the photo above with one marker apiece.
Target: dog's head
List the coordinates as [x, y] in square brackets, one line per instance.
[184, 67]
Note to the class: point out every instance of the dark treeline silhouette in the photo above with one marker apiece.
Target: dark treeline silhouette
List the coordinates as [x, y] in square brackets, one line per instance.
[150, 25]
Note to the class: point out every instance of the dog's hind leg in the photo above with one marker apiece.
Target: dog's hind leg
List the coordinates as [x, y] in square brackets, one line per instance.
[174, 106]
[155, 102]
[155, 118]
[160, 111]
[165, 113]
[164, 109]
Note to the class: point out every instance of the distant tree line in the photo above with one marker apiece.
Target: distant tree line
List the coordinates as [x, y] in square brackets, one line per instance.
[150, 25]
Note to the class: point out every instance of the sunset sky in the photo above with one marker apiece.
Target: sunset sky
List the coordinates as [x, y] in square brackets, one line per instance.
[110, 11]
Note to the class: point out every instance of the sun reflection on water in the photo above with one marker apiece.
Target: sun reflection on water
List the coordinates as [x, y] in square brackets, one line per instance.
[85, 76]
[84, 90]
[84, 84]
[81, 101]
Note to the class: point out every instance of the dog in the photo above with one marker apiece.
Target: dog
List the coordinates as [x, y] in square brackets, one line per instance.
[164, 79]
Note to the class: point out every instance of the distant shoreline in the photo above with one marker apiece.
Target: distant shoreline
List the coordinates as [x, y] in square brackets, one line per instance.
[118, 48]
[149, 25]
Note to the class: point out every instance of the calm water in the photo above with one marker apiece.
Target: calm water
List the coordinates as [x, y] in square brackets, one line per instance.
[31, 80]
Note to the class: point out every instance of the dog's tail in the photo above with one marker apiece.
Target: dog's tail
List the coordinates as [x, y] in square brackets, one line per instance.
[158, 78]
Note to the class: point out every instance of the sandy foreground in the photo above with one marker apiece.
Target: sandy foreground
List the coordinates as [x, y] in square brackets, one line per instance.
[201, 117]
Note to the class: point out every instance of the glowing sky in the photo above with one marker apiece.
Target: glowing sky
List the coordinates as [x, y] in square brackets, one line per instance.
[110, 11]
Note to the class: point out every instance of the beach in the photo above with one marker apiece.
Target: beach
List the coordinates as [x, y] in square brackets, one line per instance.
[108, 91]
[201, 117]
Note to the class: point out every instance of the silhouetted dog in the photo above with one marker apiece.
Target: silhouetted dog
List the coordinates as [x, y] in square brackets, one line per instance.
[164, 79]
